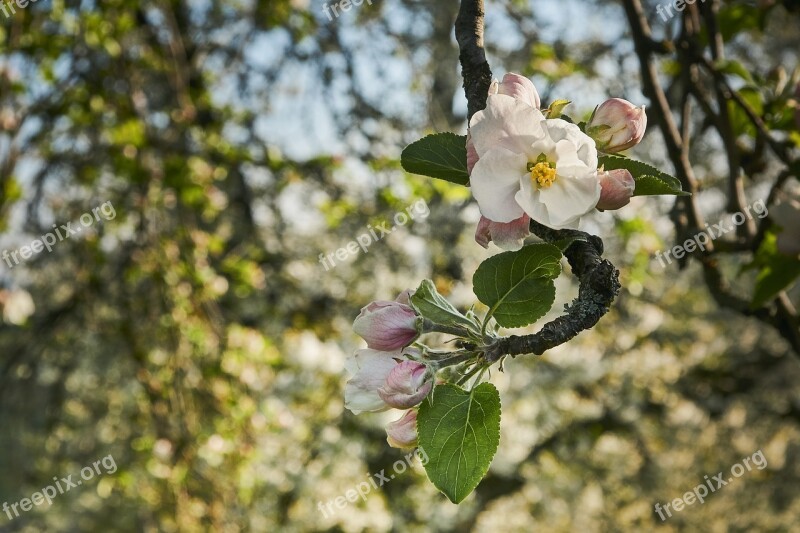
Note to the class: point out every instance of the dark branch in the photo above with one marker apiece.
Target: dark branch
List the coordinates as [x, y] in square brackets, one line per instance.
[474, 67]
[599, 285]
[780, 314]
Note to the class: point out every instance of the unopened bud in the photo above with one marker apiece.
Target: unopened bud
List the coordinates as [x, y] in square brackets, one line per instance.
[617, 187]
[617, 125]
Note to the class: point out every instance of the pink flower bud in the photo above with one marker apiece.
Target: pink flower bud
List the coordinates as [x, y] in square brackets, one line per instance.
[406, 385]
[518, 87]
[617, 188]
[617, 125]
[402, 433]
[387, 325]
[369, 369]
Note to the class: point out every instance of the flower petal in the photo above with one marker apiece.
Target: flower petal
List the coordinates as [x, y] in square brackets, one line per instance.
[519, 87]
[495, 181]
[529, 199]
[506, 122]
[372, 369]
[508, 236]
[402, 433]
[582, 145]
[472, 154]
[568, 199]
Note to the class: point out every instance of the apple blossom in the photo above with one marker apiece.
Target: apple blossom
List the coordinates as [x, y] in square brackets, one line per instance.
[402, 433]
[617, 125]
[506, 235]
[530, 165]
[617, 188]
[388, 325]
[369, 369]
[407, 385]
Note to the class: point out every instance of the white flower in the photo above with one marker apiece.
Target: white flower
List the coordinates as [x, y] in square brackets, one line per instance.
[545, 168]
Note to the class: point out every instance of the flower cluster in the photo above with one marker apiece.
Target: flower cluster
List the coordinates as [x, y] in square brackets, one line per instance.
[524, 166]
[388, 373]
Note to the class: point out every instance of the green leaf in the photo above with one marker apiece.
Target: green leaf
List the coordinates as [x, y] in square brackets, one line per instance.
[427, 301]
[518, 286]
[740, 121]
[735, 68]
[777, 271]
[441, 155]
[459, 432]
[649, 180]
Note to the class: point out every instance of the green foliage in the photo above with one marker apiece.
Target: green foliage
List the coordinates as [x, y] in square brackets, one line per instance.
[740, 121]
[518, 286]
[441, 155]
[459, 431]
[429, 303]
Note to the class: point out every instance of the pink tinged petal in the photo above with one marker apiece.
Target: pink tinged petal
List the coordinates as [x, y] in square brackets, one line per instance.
[617, 188]
[406, 385]
[521, 88]
[506, 122]
[402, 433]
[472, 154]
[495, 181]
[508, 236]
[482, 234]
[372, 367]
[387, 325]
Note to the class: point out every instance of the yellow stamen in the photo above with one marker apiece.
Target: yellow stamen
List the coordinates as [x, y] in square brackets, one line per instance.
[543, 174]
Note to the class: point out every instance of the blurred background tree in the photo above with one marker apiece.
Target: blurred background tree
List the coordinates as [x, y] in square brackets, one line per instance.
[197, 338]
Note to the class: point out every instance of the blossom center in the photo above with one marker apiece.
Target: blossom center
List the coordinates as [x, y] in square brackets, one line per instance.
[543, 172]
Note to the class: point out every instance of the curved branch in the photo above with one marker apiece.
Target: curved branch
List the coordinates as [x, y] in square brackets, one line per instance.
[599, 285]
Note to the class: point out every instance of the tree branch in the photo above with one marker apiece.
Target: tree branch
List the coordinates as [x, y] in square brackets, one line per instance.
[474, 67]
[599, 285]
